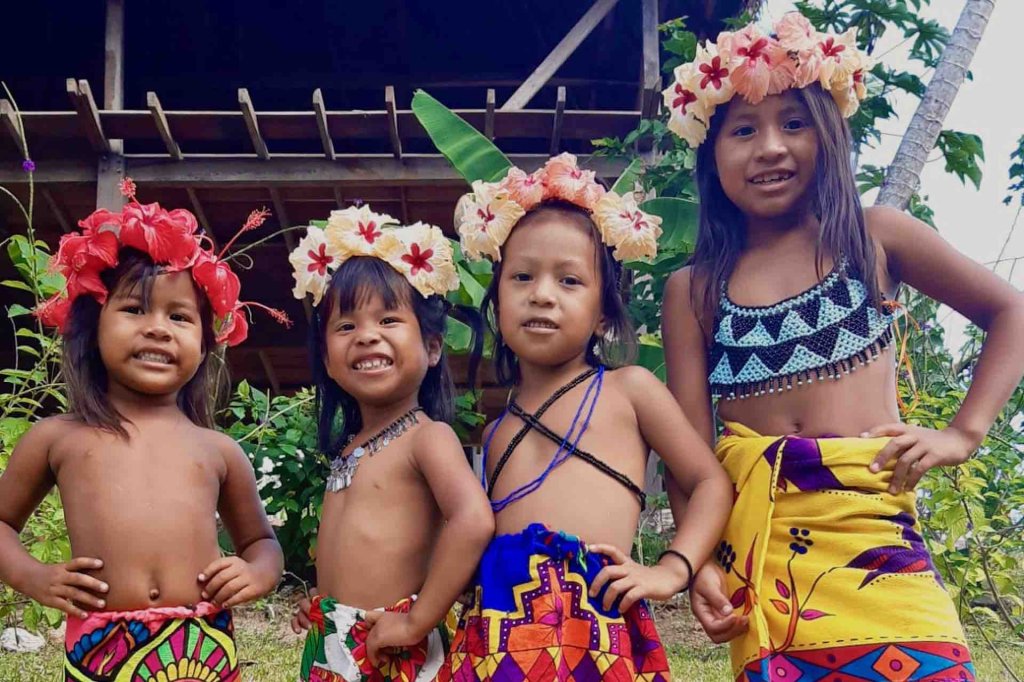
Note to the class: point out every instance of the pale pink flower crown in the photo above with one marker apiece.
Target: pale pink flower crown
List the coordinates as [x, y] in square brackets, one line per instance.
[752, 64]
[485, 217]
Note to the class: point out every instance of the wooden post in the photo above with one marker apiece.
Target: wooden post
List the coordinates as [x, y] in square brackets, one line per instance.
[251, 124]
[162, 127]
[321, 123]
[489, 115]
[389, 103]
[113, 64]
[556, 128]
[289, 238]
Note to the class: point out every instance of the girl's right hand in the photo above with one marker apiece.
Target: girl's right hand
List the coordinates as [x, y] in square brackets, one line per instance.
[301, 621]
[65, 586]
[712, 608]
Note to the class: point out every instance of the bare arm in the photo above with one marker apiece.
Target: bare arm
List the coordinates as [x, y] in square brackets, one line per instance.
[686, 363]
[23, 485]
[917, 255]
[257, 568]
[469, 522]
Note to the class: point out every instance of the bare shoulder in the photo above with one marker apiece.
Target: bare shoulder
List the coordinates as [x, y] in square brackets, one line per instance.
[434, 438]
[680, 283]
[637, 382]
[45, 433]
[222, 445]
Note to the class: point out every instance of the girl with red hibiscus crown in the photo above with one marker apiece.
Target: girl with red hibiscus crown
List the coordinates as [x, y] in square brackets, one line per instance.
[140, 472]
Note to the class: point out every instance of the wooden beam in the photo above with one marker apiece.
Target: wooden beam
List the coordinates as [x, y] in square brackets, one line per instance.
[113, 64]
[268, 367]
[321, 123]
[313, 171]
[547, 68]
[162, 127]
[338, 199]
[197, 208]
[389, 104]
[289, 238]
[10, 122]
[556, 128]
[249, 114]
[55, 208]
[489, 114]
[405, 205]
[88, 115]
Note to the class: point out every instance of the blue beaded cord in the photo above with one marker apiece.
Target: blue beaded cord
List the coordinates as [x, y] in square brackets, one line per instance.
[564, 451]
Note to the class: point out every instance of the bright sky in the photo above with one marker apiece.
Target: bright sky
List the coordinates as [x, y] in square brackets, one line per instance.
[975, 221]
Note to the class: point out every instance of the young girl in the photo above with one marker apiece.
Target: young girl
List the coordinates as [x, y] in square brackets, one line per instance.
[140, 471]
[404, 521]
[784, 317]
[557, 596]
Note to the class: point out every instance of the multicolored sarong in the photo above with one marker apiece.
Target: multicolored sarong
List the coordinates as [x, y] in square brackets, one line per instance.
[167, 643]
[830, 567]
[335, 648]
[532, 619]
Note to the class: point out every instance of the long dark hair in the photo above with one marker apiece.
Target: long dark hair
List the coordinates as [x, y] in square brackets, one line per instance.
[616, 347]
[85, 375]
[350, 285]
[843, 234]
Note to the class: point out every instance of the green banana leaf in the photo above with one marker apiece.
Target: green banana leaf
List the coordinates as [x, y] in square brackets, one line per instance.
[471, 153]
[678, 221]
[628, 179]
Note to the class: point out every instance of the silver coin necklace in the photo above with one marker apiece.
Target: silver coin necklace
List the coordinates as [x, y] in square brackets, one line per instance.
[343, 469]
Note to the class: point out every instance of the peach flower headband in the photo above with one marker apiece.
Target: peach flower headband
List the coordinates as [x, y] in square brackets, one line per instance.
[485, 217]
[752, 64]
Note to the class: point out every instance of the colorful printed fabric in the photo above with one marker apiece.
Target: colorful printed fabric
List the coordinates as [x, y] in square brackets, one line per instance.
[532, 619]
[830, 567]
[168, 643]
[335, 648]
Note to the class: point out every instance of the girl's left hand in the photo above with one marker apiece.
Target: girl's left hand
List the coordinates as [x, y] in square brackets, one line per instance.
[389, 630]
[230, 581]
[916, 450]
[632, 581]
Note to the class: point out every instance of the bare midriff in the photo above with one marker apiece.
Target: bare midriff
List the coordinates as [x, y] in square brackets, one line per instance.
[147, 511]
[848, 406]
[375, 539]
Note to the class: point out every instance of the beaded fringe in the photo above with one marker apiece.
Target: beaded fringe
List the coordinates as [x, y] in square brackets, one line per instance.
[780, 384]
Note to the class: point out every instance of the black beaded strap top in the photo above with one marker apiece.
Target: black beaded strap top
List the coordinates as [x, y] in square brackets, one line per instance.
[822, 333]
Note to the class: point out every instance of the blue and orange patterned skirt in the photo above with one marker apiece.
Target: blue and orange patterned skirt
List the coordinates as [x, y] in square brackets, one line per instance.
[532, 619]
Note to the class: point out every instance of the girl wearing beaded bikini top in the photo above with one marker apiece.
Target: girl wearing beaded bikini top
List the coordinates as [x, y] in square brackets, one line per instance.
[782, 317]
[565, 462]
[404, 521]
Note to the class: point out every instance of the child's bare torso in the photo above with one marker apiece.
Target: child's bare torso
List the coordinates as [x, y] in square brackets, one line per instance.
[145, 508]
[376, 536]
[576, 497]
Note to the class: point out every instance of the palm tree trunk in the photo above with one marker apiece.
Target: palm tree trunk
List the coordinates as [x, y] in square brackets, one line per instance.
[904, 174]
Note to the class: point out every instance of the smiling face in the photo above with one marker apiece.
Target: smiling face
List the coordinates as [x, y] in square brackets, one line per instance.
[549, 291]
[766, 155]
[377, 353]
[152, 347]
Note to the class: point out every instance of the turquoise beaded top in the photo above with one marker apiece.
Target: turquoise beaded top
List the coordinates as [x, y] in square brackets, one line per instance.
[821, 333]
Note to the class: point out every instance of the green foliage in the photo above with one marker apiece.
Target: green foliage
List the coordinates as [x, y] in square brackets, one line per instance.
[278, 433]
[962, 152]
[29, 390]
[472, 154]
[1016, 174]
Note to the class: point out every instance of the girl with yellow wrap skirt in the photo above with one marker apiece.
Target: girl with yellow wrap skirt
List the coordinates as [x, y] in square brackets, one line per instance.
[822, 573]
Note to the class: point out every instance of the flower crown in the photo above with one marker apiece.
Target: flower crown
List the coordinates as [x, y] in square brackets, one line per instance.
[749, 63]
[419, 252]
[485, 217]
[169, 239]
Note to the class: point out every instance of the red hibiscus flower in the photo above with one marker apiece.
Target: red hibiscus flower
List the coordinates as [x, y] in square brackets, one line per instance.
[53, 312]
[82, 257]
[220, 284]
[234, 329]
[98, 219]
[168, 237]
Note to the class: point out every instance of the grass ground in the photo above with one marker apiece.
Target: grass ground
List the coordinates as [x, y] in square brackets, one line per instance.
[270, 651]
